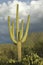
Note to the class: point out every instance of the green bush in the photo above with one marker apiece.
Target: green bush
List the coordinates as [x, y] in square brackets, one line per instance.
[32, 59]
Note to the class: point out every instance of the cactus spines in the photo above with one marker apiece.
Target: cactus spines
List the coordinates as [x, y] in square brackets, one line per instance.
[19, 32]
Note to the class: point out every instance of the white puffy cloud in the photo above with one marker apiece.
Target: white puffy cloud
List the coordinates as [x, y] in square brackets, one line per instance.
[10, 9]
[34, 8]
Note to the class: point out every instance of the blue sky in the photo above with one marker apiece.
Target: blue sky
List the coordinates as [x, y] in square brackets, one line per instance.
[32, 7]
[1, 1]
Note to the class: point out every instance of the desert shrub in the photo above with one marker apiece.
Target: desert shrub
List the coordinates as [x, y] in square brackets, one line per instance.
[32, 59]
[38, 47]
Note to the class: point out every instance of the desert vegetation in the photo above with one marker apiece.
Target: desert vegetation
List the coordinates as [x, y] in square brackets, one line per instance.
[32, 51]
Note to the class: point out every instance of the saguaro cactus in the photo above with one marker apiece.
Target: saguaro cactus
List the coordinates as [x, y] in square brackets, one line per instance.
[19, 32]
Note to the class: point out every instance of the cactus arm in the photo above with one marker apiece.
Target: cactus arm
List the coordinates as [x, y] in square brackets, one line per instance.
[17, 19]
[12, 37]
[21, 31]
[27, 27]
[10, 30]
[13, 29]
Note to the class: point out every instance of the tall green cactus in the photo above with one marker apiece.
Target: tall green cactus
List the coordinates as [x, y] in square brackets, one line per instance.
[19, 32]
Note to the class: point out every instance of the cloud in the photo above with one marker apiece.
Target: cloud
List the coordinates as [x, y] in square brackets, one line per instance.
[34, 8]
[10, 9]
